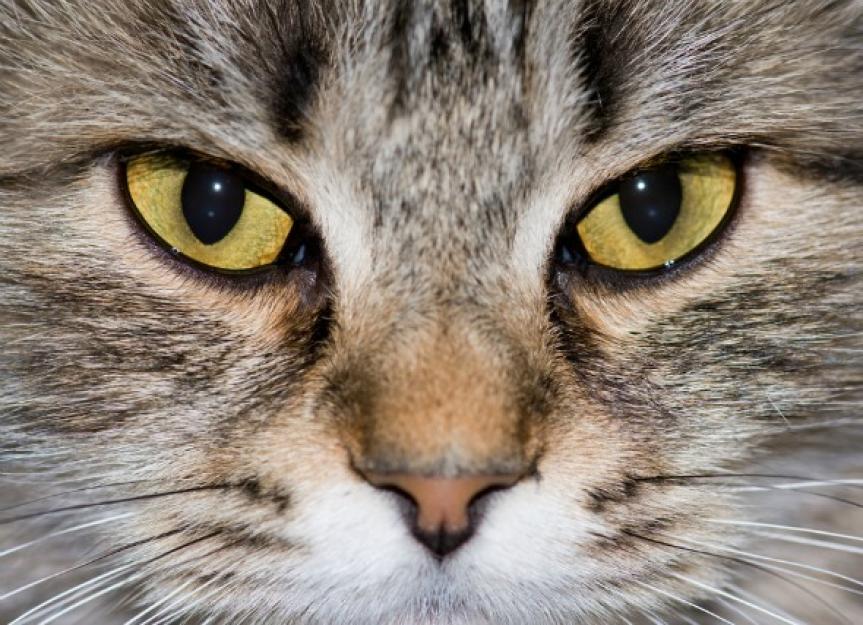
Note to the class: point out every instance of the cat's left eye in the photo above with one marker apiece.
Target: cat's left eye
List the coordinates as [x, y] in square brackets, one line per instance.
[207, 213]
[656, 215]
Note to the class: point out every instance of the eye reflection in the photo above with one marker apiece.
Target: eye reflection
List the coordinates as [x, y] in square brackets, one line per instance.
[212, 200]
[650, 202]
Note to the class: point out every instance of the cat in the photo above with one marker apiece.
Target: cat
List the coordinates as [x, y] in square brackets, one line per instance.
[431, 313]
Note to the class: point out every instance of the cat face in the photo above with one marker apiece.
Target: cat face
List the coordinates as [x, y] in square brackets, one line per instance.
[434, 415]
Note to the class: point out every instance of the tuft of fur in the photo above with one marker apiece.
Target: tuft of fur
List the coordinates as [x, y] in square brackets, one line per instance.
[189, 444]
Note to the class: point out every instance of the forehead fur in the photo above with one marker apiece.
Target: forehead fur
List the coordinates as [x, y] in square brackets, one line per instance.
[731, 71]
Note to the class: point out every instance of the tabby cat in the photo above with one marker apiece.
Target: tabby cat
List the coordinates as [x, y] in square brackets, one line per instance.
[447, 312]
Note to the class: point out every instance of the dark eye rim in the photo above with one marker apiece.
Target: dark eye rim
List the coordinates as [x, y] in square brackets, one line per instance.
[622, 279]
[303, 231]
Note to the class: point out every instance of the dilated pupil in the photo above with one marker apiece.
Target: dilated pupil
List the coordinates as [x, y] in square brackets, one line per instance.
[650, 202]
[212, 200]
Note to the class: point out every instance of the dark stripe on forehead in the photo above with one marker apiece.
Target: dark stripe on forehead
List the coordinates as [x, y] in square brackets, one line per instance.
[471, 24]
[594, 53]
[300, 41]
[449, 41]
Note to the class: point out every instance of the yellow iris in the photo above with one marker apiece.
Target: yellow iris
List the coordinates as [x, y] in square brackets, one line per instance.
[155, 184]
[707, 186]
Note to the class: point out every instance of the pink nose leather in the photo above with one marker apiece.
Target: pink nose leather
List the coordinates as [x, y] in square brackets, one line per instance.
[442, 502]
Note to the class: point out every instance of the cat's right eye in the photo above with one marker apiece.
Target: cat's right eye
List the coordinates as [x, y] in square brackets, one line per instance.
[206, 212]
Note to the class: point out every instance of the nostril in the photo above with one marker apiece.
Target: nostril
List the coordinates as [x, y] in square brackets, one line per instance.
[442, 508]
[443, 542]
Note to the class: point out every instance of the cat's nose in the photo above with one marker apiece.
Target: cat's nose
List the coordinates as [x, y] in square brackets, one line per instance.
[442, 513]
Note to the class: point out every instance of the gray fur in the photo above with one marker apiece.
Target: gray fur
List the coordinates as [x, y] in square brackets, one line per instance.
[437, 148]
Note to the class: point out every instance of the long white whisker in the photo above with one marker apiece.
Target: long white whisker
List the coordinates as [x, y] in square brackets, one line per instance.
[89, 598]
[796, 485]
[64, 532]
[626, 599]
[161, 601]
[826, 424]
[736, 599]
[729, 606]
[779, 412]
[788, 528]
[176, 602]
[58, 598]
[170, 617]
[807, 567]
[747, 595]
[656, 620]
[92, 562]
[811, 542]
[685, 602]
[30, 585]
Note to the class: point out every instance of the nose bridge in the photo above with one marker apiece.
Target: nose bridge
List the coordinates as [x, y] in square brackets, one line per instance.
[446, 406]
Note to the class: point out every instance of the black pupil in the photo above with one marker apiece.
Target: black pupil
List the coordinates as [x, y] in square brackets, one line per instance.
[212, 200]
[650, 202]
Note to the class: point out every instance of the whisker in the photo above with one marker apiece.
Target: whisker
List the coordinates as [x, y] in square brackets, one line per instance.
[767, 604]
[90, 562]
[788, 528]
[736, 599]
[88, 599]
[162, 601]
[130, 579]
[74, 491]
[685, 602]
[832, 423]
[171, 616]
[204, 585]
[64, 532]
[807, 567]
[71, 593]
[797, 488]
[763, 565]
[802, 479]
[729, 606]
[111, 502]
[765, 568]
[653, 617]
[810, 542]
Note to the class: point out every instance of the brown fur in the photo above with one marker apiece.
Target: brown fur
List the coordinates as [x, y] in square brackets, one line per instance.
[437, 149]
